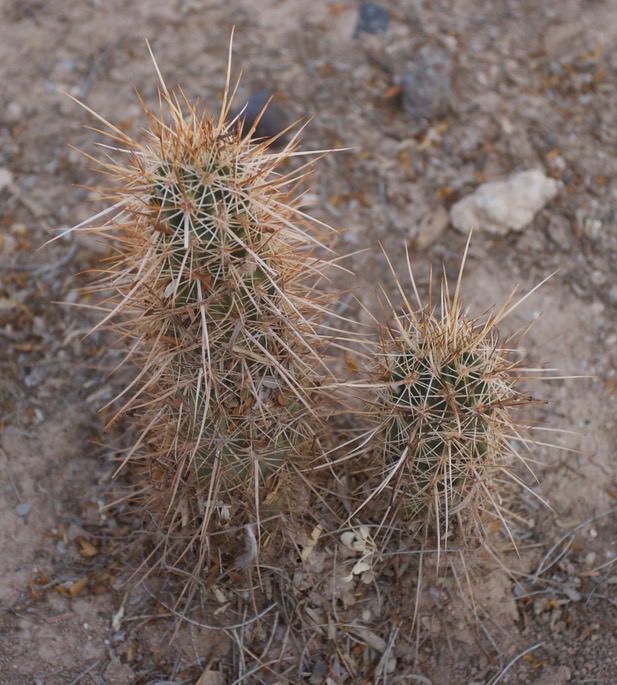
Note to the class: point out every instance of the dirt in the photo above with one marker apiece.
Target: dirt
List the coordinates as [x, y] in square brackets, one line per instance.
[533, 86]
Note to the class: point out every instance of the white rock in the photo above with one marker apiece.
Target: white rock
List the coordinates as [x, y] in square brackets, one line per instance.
[13, 112]
[505, 206]
[6, 178]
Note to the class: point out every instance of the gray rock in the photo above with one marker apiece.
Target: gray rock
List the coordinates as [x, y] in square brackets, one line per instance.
[262, 112]
[23, 509]
[426, 85]
[372, 18]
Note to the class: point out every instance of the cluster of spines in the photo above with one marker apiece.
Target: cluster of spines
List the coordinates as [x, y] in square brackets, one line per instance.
[443, 393]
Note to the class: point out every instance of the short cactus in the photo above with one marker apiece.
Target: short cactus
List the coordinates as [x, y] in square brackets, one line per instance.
[213, 285]
[444, 390]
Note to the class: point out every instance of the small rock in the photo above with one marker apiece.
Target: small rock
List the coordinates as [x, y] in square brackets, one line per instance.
[426, 87]
[6, 178]
[7, 304]
[597, 277]
[66, 64]
[429, 229]
[272, 120]
[119, 673]
[35, 377]
[13, 112]
[19, 230]
[372, 18]
[504, 206]
[23, 509]
[592, 228]
[8, 243]
[559, 230]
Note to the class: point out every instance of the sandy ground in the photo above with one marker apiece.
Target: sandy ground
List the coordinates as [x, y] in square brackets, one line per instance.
[533, 86]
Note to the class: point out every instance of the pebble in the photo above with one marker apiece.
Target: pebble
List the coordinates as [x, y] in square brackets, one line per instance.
[430, 228]
[597, 277]
[273, 121]
[18, 229]
[66, 64]
[13, 112]
[372, 18]
[6, 178]
[503, 206]
[23, 509]
[592, 228]
[8, 243]
[559, 230]
[426, 85]
[7, 304]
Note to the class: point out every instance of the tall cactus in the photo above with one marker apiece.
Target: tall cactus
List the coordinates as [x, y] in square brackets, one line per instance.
[213, 286]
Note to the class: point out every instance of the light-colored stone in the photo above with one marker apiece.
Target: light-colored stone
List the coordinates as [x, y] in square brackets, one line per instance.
[504, 206]
[430, 228]
[6, 178]
[14, 112]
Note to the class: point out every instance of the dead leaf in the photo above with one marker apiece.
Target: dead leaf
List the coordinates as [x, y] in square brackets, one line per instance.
[131, 652]
[612, 492]
[369, 637]
[337, 7]
[351, 362]
[6, 178]
[316, 618]
[393, 92]
[86, 548]
[310, 545]
[209, 677]
[33, 592]
[347, 538]
[79, 585]
[360, 567]
[116, 620]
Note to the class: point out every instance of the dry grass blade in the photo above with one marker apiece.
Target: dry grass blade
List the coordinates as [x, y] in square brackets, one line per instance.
[500, 676]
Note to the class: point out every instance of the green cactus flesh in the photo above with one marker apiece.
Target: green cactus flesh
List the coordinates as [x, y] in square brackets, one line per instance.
[444, 408]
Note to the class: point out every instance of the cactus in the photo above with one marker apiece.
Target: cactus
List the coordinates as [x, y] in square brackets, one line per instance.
[444, 390]
[212, 284]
